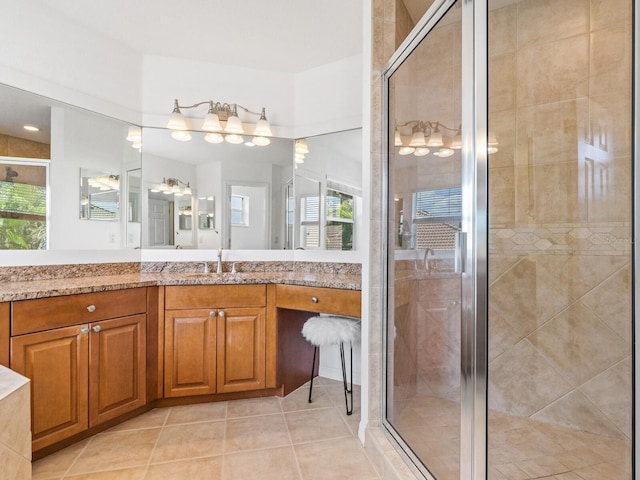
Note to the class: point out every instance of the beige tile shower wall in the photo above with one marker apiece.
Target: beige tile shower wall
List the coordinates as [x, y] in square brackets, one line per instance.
[560, 213]
[390, 25]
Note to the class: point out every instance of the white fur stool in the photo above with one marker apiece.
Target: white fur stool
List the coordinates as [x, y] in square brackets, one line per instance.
[333, 330]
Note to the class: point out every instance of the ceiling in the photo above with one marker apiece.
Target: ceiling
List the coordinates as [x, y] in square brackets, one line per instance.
[279, 35]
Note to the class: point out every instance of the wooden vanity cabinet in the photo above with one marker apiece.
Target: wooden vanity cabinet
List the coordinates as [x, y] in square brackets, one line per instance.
[4, 333]
[189, 352]
[82, 373]
[214, 339]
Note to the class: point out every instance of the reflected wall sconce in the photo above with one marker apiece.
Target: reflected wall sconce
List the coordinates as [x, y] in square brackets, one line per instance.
[172, 186]
[105, 182]
[232, 131]
[134, 135]
[418, 137]
[301, 149]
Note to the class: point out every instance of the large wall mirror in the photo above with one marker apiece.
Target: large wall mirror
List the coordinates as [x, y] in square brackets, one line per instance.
[328, 191]
[208, 195]
[68, 177]
[249, 197]
[77, 181]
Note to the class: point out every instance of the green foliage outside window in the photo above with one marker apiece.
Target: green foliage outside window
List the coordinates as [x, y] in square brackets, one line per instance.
[339, 231]
[23, 210]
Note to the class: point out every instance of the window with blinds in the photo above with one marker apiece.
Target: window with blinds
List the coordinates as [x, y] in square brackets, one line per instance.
[436, 217]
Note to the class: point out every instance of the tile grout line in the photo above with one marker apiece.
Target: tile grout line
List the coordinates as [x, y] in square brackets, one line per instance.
[293, 450]
[162, 427]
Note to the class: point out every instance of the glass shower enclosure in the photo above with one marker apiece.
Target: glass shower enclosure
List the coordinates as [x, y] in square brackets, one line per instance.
[509, 267]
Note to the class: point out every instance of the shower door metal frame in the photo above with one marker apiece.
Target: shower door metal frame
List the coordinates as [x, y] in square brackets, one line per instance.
[635, 232]
[473, 369]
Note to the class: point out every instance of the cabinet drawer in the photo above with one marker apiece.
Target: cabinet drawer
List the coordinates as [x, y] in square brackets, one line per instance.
[47, 313]
[215, 296]
[321, 300]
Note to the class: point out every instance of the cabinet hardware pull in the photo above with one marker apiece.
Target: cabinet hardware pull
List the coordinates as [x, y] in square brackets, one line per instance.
[84, 330]
[314, 299]
[221, 313]
[91, 308]
[97, 328]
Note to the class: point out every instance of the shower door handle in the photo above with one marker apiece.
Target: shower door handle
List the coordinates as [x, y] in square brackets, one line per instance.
[460, 263]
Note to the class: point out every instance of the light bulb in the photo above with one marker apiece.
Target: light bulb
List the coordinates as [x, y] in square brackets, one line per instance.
[417, 139]
[261, 141]
[176, 120]
[263, 129]
[301, 146]
[445, 152]
[435, 140]
[406, 150]
[134, 134]
[234, 139]
[397, 140]
[456, 142]
[213, 137]
[492, 150]
[187, 190]
[211, 122]
[421, 152]
[181, 135]
[234, 125]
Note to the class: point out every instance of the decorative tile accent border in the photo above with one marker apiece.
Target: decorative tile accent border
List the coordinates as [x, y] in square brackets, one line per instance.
[611, 239]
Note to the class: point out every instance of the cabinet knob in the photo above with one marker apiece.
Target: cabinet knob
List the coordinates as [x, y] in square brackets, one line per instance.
[84, 330]
[314, 299]
[221, 313]
[97, 328]
[91, 308]
[212, 313]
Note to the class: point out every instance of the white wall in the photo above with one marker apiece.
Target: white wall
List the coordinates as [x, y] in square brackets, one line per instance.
[80, 139]
[255, 234]
[46, 53]
[155, 169]
[328, 98]
[165, 79]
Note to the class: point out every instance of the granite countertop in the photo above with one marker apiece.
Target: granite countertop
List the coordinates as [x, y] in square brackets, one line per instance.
[30, 289]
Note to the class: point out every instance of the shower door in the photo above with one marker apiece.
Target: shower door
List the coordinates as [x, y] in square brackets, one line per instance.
[509, 269]
[425, 261]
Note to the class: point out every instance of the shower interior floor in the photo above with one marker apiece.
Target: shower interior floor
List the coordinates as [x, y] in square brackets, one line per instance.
[518, 448]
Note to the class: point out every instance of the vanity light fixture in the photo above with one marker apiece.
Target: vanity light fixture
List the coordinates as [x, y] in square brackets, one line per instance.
[173, 186]
[230, 132]
[417, 137]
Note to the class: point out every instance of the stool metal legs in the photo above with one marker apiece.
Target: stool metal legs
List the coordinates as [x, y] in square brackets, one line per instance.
[344, 378]
[313, 366]
[347, 390]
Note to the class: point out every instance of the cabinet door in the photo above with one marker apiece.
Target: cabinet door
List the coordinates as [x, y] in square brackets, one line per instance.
[241, 357]
[117, 367]
[56, 361]
[190, 352]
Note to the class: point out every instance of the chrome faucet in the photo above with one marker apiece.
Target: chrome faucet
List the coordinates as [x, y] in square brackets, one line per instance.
[426, 257]
[219, 268]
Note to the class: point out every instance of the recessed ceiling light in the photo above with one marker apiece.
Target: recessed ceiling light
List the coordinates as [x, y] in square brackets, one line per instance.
[31, 128]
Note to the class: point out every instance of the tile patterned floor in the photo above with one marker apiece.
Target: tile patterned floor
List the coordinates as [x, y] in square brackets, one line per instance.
[265, 438]
[519, 448]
